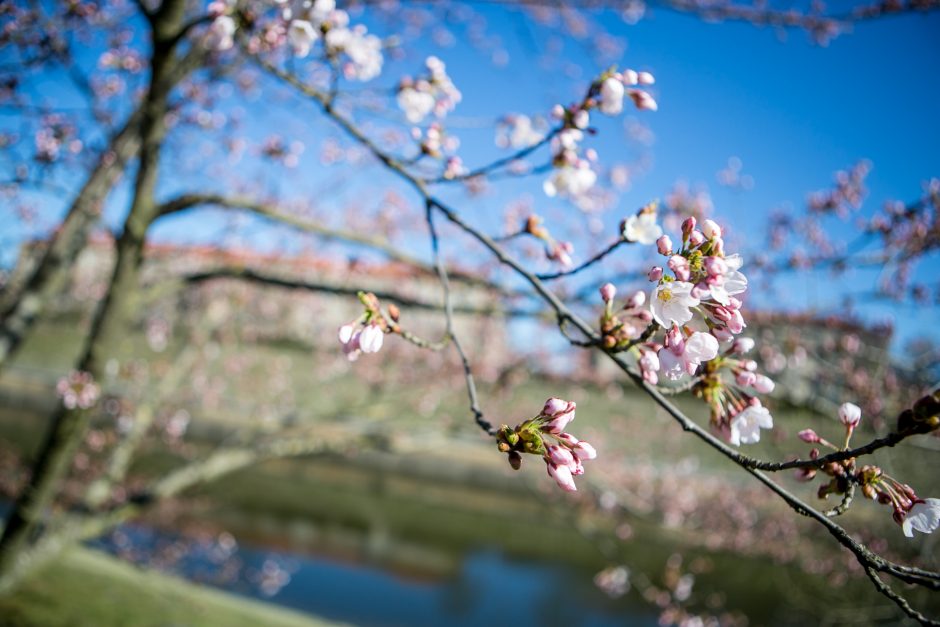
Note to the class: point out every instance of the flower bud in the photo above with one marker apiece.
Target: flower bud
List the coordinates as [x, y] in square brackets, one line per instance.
[700, 291]
[562, 476]
[664, 245]
[655, 273]
[850, 414]
[608, 291]
[805, 474]
[645, 78]
[393, 312]
[742, 345]
[581, 119]
[630, 77]
[763, 384]
[558, 112]
[585, 451]
[711, 229]
[346, 333]
[560, 455]
[680, 266]
[371, 338]
[809, 436]
[746, 379]
[515, 460]
[715, 266]
[696, 238]
[637, 299]
[688, 225]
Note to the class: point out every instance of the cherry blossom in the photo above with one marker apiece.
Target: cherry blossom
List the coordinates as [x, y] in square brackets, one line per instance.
[671, 303]
[850, 414]
[642, 227]
[221, 34]
[924, 516]
[78, 390]
[746, 426]
[301, 36]
[684, 356]
[611, 96]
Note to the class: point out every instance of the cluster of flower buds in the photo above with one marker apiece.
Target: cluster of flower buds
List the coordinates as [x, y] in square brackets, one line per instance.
[572, 175]
[735, 410]
[433, 141]
[519, 131]
[435, 93]
[705, 280]
[609, 90]
[545, 436]
[555, 250]
[622, 327]
[78, 390]
[908, 510]
[367, 333]
[300, 25]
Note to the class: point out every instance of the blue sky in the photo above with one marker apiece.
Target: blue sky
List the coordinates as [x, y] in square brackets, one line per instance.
[792, 111]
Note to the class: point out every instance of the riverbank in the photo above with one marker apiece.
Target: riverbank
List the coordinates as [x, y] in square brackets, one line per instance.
[85, 587]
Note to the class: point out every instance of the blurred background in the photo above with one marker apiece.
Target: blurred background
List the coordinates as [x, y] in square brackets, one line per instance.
[187, 226]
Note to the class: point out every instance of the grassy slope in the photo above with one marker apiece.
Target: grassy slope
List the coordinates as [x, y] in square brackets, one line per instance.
[111, 592]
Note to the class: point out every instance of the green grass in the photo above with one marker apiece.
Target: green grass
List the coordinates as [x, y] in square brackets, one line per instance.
[85, 587]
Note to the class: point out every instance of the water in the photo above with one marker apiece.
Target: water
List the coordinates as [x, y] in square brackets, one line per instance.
[488, 587]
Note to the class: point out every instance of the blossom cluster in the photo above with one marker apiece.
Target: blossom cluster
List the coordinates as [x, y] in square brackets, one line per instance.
[573, 175]
[545, 436]
[699, 311]
[366, 334]
[555, 250]
[358, 52]
[78, 390]
[909, 511]
[434, 93]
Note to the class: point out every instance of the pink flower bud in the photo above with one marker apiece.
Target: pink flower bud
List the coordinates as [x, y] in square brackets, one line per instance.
[642, 100]
[723, 335]
[645, 78]
[370, 339]
[637, 299]
[567, 439]
[749, 364]
[718, 246]
[745, 378]
[558, 112]
[850, 414]
[711, 229]
[664, 245]
[655, 273]
[805, 474]
[700, 291]
[581, 119]
[585, 451]
[630, 77]
[680, 266]
[742, 345]
[763, 384]
[715, 266]
[562, 476]
[554, 406]
[560, 455]
[608, 291]
[688, 225]
[346, 333]
[696, 238]
[809, 436]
